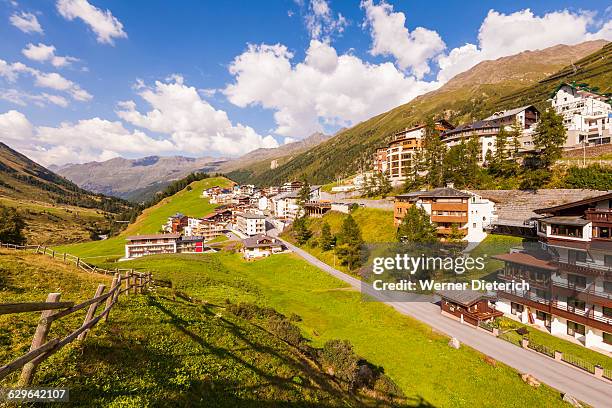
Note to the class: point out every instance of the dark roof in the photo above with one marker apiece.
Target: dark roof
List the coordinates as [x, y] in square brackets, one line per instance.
[153, 236]
[260, 240]
[574, 221]
[463, 297]
[192, 238]
[445, 192]
[251, 216]
[523, 258]
[586, 201]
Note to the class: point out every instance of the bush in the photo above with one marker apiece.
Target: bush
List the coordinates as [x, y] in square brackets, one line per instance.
[282, 328]
[341, 361]
[251, 311]
[595, 177]
[387, 387]
[535, 179]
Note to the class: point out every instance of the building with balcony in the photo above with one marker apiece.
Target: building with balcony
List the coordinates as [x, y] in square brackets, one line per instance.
[251, 224]
[486, 130]
[261, 246]
[156, 244]
[587, 114]
[569, 272]
[447, 208]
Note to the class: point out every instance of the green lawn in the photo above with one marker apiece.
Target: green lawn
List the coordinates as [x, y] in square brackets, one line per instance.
[554, 343]
[494, 245]
[188, 201]
[419, 360]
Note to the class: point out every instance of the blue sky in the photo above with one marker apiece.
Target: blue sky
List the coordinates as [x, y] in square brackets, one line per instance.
[84, 80]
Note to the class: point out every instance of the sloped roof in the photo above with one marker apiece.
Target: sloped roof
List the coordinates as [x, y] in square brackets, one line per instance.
[152, 236]
[586, 201]
[506, 113]
[463, 297]
[260, 240]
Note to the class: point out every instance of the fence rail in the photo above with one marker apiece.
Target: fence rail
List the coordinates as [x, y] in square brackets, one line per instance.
[124, 281]
[578, 362]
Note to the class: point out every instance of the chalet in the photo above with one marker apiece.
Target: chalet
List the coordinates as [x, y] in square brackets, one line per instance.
[468, 305]
[569, 272]
[260, 246]
[176, 223]
[447, 207]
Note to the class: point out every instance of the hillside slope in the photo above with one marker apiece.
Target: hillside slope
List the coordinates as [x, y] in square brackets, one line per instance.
[468, 96]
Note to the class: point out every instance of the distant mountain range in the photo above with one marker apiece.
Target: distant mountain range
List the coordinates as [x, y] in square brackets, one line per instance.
[140, 179]
[525, 78]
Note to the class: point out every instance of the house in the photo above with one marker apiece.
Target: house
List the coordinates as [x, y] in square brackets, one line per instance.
[447, 208]
[176, 223]
[260, 246]
[569, 273]
[402, 149]
[286, 205]
[468, 305]
[486, 130]
[141, 245]
[291, 186]
[250, 224]
[380, 160]
[587, 114]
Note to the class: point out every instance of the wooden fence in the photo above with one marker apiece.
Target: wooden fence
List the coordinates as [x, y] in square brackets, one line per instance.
[125, 281]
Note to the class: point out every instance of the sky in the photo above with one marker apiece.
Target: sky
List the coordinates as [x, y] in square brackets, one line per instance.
[89, 80]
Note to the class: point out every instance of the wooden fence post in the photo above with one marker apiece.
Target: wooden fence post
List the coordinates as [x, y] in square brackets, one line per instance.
[91, 311]
[78, 262]
[110, 299]
[134, 280]
[40, 337]
[37, 248]
[53, 253]
[64, 257]
[127, 282]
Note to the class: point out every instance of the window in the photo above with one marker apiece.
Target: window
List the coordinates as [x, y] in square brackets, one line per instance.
[607, 338]
[608, 260]
[608, 286]
[576, 281]
[575, 304]
[602, 232]
[574, 256]
[607, 311]
[541, 293]
[574, 328]
[516, 308]
[542, 316]
[567, 231]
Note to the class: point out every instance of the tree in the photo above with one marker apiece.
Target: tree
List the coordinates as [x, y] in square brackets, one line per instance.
[349, 244]
[303, 194]
[11, 226]
[500, 157]
[416, 227]
[327, 240]
[434, 151]
[414, 181]
[300, 230]
[549, 137]
[384, 185]
[369, 185]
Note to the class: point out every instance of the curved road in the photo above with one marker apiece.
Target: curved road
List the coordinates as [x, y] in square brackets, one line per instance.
[560, 376]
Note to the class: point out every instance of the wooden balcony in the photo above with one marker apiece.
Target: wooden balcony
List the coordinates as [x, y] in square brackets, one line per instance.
[586, 317]
[585, 293]
[459, 219]
[583, 268]
[599, 216]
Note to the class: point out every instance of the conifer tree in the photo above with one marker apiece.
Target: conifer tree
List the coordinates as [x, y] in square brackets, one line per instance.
[349, 243]
[434, 151]
[303, 194]
[549, 137]
[301, 233]
[11, 226]
[416, 227]
[327, 240]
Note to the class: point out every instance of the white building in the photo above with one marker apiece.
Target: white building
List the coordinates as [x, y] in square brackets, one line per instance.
[250, 224]
[587, 115]
[261, 246]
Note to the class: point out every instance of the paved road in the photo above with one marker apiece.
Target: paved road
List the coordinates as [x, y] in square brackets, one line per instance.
[564, 378]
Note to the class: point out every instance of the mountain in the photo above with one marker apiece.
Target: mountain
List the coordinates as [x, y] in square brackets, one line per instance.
[135, 178]
[507, 82]
[139, 179]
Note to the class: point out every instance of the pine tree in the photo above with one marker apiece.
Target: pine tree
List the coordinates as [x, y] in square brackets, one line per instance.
[434, 151]
[384, 185]
[11, 226]
[549, 137]
[327, 240]
[303, 194]
[301, 233]
[416, 227]
[349, 243]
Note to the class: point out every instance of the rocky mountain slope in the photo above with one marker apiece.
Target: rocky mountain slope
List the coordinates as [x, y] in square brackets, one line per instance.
[507, 82]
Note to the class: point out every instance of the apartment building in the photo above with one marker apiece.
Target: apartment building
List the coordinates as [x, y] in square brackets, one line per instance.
[569, 272]
[486, 130]
[448, 207]
[587, 115]
[380, 160]
[286, 206]
[155, 244]
[250, 224]
[176, 223]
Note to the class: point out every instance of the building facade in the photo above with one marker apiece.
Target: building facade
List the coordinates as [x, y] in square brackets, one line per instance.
[141, 245]
[261, 246]
[569, 272]
[250, 224]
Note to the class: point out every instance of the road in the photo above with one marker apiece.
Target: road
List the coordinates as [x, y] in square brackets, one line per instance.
[564, 378]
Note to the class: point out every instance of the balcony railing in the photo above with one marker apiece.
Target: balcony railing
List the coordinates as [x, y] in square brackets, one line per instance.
[589, 289]
[587, 313]
[599, 215]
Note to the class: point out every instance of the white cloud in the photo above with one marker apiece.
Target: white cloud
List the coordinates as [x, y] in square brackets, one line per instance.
[324, 89]
[23, 98]
[321, 22]
[15, 129]
[43, 52]
[507, 34]
[50, 80]
[390, 37]
[26, 22]
[106, 26]
[192, 123]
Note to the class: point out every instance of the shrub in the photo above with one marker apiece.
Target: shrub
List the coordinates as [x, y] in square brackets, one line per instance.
[285, 330]
[251, 311]
[387, 387]
[341, 361]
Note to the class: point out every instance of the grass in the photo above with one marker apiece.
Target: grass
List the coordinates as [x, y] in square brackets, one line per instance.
[188, 201]
[49, 224]
[554, 343]
[156, 351]
[494, 245]
[416, 358]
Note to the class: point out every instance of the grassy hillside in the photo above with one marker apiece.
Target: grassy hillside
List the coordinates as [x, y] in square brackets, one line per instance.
[156, 351]
[419, 360]
[351, 149]
[188, 201]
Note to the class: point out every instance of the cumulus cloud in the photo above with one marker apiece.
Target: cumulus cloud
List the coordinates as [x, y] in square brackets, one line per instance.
[23, 98]
[507, 34]
[191, 122]
[50, 80]
[390, 37]
[15, 129]
[324, 89]
[26, 22]
[43, 53]
[106, 26]
[321, 21]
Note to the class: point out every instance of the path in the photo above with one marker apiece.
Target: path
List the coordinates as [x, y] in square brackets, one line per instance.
[564, 378]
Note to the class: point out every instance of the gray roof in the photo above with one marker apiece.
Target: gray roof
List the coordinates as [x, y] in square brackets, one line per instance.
[567, 220]
[153, 236]
[462, 297]
[445, 192]
[256, 241]
[509, 112]
[251, 216]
